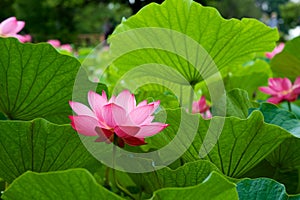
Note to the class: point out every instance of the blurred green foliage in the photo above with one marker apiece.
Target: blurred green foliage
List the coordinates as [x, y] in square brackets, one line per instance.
[6, 9]
[94, 17]
[66, 19]
[236, 8]
[270, 5]
[63, 19]
[46, 19]
[290, 14]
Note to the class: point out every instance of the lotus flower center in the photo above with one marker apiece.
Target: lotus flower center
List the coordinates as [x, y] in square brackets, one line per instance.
[285, 92]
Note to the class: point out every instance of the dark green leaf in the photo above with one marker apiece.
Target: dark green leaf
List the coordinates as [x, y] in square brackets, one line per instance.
[249, 78]
[38, 146]
[215, 187]
[287, 63]
[70, 184]
[189, 38]
[35, 81]
[286, 156]
[262, 189]
[238, 103]
[241, 144]
[281, 117]
[189, 174]
[288, 178]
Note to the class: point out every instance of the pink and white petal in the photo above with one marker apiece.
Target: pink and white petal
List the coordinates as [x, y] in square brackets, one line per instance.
[275, 100]
[81, 109]
[195, 107]
[21, 38]
[268, 90]
[27, 38]
[54, 43]
[297, 81]
[296, 86]
[112, 99]
[113, 115]
[275, 84]
[126, 100]
[206, 115]
[133, 141]
[142, 103]
[296, 91]
[119, 114]
[108, 115]
[151, 129]
[291, 97]
[84, 125]
[280, 47]
[66, 47]
[276, 50]
[97, 102]
[269, 55]
[155, 105]
[104, 95]
[20, 25]
[125, 131]
[140, 114]
[286, 84]
[148, 120]
[7, 26]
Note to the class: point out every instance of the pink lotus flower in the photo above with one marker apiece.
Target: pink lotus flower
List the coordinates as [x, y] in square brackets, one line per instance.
[276, 50]
[202, 108]
[120, 116]
[58, 45]
[282, 89]
[10, 27]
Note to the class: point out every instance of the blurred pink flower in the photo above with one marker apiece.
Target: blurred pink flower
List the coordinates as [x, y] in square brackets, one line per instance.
[276, 50]
[282, 89]
[119, 116]
[54, 43]
[202, 108]
[57, 44]
[10, 27]
[25, 38]
[66, 47]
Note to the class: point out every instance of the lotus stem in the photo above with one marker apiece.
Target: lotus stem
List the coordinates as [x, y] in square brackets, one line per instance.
[298, 188]
[191, 98]
[106, 181]
[180, 99]
[6, 185]
[289, 106]
[119, 186]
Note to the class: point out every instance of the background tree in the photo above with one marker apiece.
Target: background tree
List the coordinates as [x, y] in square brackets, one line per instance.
[93, 17]
[47, 19]
[6, 9]
[290, 14]
[237, 8]
[270, 5]
[65, 19]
